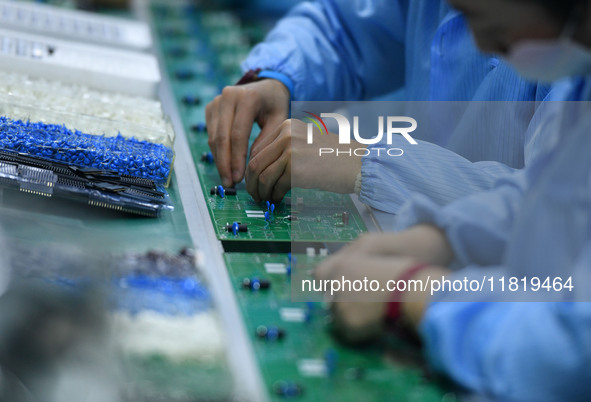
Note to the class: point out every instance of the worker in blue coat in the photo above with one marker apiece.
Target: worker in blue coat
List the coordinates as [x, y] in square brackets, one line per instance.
[534, 226]
[337, 50]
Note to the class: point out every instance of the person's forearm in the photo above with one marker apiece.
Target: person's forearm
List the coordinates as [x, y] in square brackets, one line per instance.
[425, 243]
[344, 170]
[343, 53]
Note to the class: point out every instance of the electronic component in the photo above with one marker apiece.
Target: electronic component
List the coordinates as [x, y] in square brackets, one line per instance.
[157, 263]
[191, 100]
[199, 127]
[57, 143]
[237, 227]
[255, 283]
[99, 188]
[331, 358]
[207, 157]
[220, 189]
[98, 67]
[287, 389]
[270, 333]
[184, 74]
[345, 218]
[74, 25]
[94, 111]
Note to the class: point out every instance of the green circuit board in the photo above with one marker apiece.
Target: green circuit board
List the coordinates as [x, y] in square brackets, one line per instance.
[188, 40]
[201, 54]
[392, 370]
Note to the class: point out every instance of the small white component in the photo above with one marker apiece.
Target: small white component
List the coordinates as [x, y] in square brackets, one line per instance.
[178, 338]
[310, 252]
[97, 67]
[94, 112]
[255, 214]
[292, 314]
[275, 268]
[312, 368]
[74, 25]
[323, 252]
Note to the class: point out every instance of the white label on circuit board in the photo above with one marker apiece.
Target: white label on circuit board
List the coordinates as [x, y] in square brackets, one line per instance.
[292, 314]
[312, 368]
[254, 214]
[275, 268]
[75, 25]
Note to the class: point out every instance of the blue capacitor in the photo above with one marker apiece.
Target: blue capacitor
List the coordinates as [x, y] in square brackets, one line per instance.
[309, 311]
[272, 333]
[268, 205]
[272, 208]
[235, 228]
[267, 216]
[221, 191]
[207, 157]
[331, 358]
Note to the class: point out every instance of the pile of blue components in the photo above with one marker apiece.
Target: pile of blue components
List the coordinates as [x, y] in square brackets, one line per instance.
[165, 295]
[156, 281]
[127, 156]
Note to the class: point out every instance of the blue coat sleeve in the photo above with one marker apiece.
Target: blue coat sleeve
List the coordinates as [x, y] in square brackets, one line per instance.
[514, 350]
[442, 174]
[337, 49]
[436, 172]
[482, 218]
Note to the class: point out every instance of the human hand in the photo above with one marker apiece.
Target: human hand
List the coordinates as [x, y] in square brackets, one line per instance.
[359, 315]
[230, 117]
[426, 243]
[283, 159]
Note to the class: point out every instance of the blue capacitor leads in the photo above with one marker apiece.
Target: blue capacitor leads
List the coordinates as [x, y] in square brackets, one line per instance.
[331, 359]
[292, 260]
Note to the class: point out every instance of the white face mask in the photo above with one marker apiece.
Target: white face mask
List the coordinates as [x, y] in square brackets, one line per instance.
[549, 60]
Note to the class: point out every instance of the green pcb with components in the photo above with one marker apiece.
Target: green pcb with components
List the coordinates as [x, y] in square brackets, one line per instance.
[202, 51]
[309, 356]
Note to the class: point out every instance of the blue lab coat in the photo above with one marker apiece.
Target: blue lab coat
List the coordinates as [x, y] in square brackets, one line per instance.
[534, 223]
[343, 50]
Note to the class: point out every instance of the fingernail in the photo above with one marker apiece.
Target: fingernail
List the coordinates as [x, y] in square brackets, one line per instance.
[237, 176]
